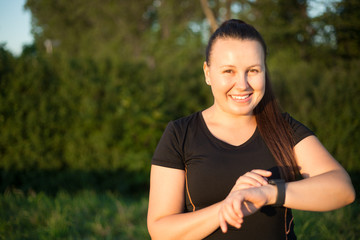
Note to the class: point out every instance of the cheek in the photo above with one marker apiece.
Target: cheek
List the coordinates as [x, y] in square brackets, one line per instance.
[258, 83]
[219, 82]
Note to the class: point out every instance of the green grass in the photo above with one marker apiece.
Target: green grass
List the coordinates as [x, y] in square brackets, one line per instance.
[340, 224]
[84, 215]
[88, 214]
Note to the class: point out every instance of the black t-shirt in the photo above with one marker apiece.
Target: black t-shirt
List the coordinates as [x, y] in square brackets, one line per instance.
[213, 166]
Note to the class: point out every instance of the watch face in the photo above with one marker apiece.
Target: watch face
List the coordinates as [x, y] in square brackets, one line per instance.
[276, 181]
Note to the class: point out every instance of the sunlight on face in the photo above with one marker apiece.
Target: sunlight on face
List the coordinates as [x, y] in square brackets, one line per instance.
[236, 75]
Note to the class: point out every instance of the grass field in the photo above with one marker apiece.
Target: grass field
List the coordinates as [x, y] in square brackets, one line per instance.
[341, 224]
[84, 215]
[90, 215]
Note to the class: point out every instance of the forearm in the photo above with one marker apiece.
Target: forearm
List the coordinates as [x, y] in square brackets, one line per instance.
[324, 192]
[191, 225]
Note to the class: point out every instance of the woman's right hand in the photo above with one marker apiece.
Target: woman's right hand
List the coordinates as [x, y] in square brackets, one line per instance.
[254, 178]
[241, 203]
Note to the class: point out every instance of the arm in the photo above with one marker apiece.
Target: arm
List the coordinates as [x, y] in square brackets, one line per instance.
[326, 185]
[166, 217]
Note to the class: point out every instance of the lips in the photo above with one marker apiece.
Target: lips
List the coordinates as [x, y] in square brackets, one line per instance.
[240, 97]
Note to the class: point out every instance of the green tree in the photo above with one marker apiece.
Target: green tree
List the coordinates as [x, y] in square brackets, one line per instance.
[90, 104]
[343, 22]
[99, 93]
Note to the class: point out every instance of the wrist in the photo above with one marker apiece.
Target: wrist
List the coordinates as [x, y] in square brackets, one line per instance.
[271, 193]
[279, 184]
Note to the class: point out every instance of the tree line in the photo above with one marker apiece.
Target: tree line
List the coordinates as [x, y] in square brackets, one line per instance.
[97, 87]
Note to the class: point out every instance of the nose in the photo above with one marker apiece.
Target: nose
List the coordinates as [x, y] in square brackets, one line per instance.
[241, 82]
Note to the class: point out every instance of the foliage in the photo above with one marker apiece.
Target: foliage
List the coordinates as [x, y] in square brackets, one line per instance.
[338, 224]
[325, 99]
[82, 109]
[283, 21]
[127, 183]
[71, 108]
[343, 23]
[113, 73]
[90, 215]
[81, 114]
[85, 215]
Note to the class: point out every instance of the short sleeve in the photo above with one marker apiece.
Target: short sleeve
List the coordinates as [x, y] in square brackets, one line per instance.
[168, 152]
[300, 130]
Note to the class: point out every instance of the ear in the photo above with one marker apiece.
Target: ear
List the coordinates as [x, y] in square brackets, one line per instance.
[207, 73]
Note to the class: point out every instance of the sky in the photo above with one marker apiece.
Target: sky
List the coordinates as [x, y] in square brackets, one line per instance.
[15, 25]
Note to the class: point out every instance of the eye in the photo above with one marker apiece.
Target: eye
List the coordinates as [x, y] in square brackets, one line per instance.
[228, 71]
[253, 71]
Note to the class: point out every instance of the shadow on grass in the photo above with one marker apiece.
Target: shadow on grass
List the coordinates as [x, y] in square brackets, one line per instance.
[121, 181]
[355, 178]
[71, 181]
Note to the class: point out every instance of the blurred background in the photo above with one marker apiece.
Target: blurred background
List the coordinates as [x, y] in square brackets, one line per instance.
[84, 104]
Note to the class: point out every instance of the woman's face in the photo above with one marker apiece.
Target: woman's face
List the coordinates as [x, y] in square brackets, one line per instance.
[236, 74]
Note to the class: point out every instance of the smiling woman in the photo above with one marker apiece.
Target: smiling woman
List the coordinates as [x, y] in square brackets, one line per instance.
[236, 75]
[234, 167]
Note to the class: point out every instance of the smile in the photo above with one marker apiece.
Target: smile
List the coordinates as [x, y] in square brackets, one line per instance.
[240, 97]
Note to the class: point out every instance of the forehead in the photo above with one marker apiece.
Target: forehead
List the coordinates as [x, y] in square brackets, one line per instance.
[237, 50]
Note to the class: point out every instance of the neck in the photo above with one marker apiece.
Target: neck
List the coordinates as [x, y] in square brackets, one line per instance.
[215, 115]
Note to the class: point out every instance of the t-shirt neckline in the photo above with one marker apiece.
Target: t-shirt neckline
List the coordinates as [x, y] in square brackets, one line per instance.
[221, 142]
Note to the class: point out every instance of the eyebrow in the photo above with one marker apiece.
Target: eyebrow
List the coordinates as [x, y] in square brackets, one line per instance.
[233, 66]
[226, 66]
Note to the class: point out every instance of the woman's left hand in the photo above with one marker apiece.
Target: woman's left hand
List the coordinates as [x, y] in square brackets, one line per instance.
[254, 178]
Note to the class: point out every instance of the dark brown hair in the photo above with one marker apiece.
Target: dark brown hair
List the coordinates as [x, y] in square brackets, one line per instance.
[272, 126]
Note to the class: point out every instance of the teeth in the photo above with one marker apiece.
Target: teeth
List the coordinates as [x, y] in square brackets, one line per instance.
[241, 97]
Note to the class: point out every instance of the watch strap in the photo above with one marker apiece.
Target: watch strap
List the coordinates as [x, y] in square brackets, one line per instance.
[280, 198]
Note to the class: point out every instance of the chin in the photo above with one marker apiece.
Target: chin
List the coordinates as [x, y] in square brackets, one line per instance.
[242, 112]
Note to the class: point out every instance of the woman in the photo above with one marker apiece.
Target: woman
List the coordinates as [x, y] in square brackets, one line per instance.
[234, 170]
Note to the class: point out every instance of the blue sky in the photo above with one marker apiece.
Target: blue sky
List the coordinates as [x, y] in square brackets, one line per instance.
[15, 25]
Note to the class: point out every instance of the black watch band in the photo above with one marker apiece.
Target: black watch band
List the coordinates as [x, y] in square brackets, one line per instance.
[280, 184]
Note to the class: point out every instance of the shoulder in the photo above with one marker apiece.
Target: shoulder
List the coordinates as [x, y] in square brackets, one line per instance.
[300, 131]
[170, 149]
[177, 130]
[187, 120]
[182, 125]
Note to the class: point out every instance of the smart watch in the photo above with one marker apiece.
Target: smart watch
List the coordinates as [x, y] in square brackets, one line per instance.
[280, 185]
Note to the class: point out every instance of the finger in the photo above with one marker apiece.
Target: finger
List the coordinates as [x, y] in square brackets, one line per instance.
[236, 222]
[239, 213]
[264, 173]
[259, 175]
[222, 222]
[230, 216]
[241, 186]
[237, 209]
[252, 179]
